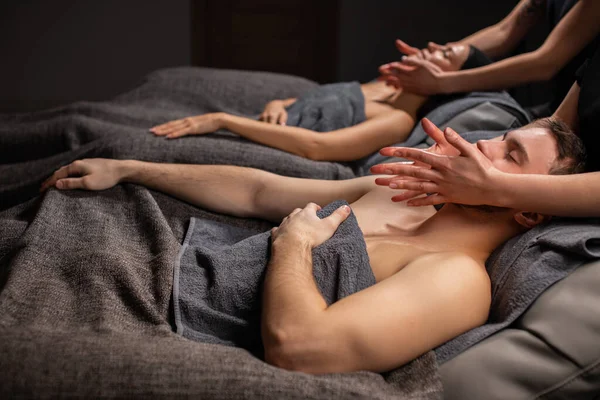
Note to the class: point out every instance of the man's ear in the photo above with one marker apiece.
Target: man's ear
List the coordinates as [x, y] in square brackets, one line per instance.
[530, 219]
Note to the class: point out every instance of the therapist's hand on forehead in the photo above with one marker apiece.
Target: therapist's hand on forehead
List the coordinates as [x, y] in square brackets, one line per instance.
[452, 170]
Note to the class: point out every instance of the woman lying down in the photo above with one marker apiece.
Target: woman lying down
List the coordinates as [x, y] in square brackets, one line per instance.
[388, 117]
[429, 281]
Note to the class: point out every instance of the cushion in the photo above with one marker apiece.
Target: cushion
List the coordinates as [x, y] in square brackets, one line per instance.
[551, 352]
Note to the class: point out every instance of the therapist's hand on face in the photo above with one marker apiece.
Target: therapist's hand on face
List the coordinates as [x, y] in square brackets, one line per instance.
[453, 170]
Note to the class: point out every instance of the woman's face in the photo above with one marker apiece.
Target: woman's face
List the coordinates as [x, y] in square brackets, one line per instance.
[450, 58]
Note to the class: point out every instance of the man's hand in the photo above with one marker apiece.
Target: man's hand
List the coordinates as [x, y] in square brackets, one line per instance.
[467, 178]
[303, 226]
[196, 125]
[274, 113]
[89, 174]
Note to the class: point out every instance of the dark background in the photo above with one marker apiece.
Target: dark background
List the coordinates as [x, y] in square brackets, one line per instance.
[60, 51]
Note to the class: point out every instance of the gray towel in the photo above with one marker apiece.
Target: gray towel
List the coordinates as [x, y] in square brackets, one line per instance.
[523, 267]
[217, 286]
[328, 107]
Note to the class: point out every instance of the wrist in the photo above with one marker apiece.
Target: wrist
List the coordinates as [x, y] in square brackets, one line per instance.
[448, 83]
[126, 170]
[501, 189]
[223, 120]
[291, 240]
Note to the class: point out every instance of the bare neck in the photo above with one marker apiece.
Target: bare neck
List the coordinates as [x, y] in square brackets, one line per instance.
[466, 230]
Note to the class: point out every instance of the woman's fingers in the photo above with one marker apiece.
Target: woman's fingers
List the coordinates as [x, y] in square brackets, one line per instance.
[411, 171]
[166, 126]
[422, 156]
[178, 133]
[406, 66]
[459, 143]
[433, 131]
[403, 47]
[417, 186]
[283, 118]
[406, 195]
[169, 128]
[432, 200]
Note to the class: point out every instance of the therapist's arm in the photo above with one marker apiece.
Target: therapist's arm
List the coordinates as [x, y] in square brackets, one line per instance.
[502, 38]
[567, 39]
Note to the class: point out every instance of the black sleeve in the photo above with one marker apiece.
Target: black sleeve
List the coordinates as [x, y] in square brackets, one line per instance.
[581, 71]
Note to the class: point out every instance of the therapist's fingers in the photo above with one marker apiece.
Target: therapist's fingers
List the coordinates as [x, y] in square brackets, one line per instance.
[411, 171]
[433, 131]
[456, 141]
[403, 47]
[432, 200]
[406, 195]
[424, 157]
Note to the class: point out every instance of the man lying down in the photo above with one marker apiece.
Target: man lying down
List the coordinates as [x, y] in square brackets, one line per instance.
[429, 278]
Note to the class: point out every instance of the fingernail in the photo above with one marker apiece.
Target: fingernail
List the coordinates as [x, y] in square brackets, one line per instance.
[394, 185]
[345, 208]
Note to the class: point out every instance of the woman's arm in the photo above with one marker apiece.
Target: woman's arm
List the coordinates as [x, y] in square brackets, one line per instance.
[347, 144]
[567, 111]
[471, 179]
[567, 39]
[501, 38]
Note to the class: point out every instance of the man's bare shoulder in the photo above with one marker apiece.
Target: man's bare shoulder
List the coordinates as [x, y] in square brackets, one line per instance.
[454, 271]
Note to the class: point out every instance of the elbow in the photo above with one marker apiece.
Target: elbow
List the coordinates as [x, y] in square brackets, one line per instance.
[314, 148]
[544, 65]
[291, 352]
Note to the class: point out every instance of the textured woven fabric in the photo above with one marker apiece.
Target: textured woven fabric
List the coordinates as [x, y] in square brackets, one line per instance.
[35, 144]
[86, 277]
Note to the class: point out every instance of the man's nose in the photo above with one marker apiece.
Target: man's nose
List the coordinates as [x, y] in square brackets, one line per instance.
[486, 147]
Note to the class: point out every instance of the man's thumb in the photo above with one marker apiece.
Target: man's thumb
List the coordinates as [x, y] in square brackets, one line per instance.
[339, 215]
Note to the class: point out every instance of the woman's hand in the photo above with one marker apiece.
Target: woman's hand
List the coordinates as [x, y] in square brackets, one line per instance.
[89, 174]
[415, 74]
[303, 226]
[274, 113]
[197, 125]
[441, 147]
[467, 178]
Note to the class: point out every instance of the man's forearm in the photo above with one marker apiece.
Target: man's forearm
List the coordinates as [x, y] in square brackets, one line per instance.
[292, 304]
[225, 189]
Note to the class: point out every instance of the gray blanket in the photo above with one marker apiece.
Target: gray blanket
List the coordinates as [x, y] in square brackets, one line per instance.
[217, 286]
[329, 107]
[35, 144]
[86, 277]
[523, 267]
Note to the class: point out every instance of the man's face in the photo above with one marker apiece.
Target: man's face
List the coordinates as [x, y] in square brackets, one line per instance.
[523, 151]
